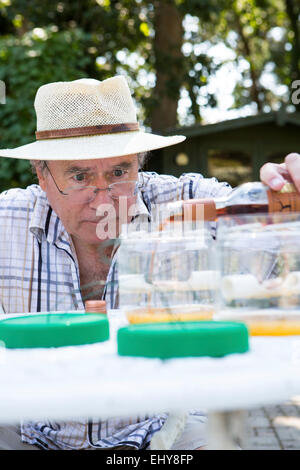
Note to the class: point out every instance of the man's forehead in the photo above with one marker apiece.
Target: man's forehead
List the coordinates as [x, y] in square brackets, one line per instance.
[101, 163]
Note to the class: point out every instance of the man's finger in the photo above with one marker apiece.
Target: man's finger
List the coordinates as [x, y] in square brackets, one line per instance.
[292, 163]
[273, 175]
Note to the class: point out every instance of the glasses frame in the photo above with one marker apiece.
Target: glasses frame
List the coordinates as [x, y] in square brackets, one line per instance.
[96, 189]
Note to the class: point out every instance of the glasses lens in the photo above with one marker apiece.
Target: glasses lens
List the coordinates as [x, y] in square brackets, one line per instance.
[81, 195]
[86, 194]
[126, 189]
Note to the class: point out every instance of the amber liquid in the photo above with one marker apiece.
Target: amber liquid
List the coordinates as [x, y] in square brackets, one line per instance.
[234, 209]
[239, 209]
[172, 314]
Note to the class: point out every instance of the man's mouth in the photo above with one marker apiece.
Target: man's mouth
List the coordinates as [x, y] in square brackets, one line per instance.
[102, 219]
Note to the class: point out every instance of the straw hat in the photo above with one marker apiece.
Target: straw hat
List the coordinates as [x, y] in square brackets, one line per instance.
[87, 119]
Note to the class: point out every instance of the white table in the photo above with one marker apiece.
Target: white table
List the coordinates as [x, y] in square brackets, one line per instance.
[92, 380]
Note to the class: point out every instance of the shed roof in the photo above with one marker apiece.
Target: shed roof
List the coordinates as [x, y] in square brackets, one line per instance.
[280, 118]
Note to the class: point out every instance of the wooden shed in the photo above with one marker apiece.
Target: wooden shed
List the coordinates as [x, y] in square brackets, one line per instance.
[232, 150]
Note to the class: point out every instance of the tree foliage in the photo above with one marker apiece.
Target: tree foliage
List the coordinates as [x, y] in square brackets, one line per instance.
[265, 36]
[27, 62]
[149, 42]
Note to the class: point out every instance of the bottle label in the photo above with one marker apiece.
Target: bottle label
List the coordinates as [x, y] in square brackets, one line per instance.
[284, 201]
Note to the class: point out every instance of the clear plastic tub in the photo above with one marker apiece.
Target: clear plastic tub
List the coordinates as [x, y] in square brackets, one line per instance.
[259, 261]
[167, 275]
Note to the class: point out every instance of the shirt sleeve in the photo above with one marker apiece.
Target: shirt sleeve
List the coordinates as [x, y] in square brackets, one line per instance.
[159, 189]
[196, 186]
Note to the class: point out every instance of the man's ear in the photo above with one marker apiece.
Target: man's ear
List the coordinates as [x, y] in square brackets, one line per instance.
[41, 177]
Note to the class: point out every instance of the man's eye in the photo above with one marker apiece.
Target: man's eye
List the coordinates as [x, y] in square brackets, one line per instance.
[80, 178]
[118, 172]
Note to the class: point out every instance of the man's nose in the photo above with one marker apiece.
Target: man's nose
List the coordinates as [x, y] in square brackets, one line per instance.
[102, 196]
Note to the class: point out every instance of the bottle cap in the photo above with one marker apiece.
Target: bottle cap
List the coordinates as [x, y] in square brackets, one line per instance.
[53, 330]
[95, 306]
[284, 201]
[183, 339]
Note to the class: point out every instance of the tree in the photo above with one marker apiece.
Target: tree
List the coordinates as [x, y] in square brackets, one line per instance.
[174, 69]
[38, 57]
[286, 50]
[169, 64]
[293, 14]
[148, 41]
[265, 35]
[115, 30]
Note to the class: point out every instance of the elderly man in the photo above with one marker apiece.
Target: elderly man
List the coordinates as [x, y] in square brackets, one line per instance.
[87, 156]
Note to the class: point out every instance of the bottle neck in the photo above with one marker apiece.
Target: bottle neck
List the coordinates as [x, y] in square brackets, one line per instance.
[248, 198]
[221, 202]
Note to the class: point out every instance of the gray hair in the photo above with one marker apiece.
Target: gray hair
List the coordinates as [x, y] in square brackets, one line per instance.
[42, 164]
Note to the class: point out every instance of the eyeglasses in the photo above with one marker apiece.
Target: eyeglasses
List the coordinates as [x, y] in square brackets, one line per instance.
[83, 193]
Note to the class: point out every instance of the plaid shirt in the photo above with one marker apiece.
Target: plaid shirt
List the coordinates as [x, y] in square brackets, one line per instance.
[39, 272]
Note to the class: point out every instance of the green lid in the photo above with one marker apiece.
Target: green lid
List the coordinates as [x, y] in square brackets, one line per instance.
[53, 330]
[165, 340]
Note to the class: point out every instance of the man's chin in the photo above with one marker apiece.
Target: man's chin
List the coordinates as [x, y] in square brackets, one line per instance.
[95, 240]
[99, 235]
[95, 232]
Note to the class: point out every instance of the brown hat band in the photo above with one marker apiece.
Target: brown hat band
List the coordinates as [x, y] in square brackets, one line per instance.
[89, 130]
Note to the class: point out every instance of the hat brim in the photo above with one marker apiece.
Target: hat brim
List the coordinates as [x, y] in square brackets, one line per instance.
[92, 147]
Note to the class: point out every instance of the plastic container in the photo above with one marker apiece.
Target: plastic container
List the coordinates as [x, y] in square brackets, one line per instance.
[259, 262]
[167, 275]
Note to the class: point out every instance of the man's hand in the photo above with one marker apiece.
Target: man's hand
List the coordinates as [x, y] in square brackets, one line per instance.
[276, 175]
